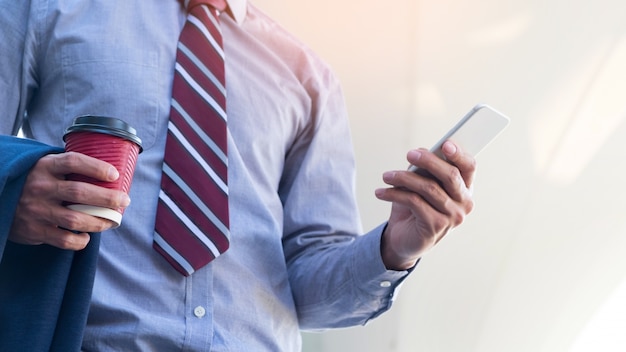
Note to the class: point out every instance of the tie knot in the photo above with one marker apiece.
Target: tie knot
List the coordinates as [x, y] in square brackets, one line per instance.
[219, 5]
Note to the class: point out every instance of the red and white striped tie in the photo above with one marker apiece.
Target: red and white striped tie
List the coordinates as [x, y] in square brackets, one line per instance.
[192, 225]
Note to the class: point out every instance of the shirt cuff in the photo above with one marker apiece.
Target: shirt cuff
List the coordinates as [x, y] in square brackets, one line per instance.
[370, 273]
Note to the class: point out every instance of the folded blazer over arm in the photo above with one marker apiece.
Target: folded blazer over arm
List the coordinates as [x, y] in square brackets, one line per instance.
[44, 291]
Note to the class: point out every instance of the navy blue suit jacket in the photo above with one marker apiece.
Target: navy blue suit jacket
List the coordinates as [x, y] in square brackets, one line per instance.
[44, 291]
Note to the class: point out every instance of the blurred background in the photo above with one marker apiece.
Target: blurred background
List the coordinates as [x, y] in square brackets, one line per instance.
[540, 265]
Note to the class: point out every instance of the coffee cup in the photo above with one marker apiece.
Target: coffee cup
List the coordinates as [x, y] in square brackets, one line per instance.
[109, 139]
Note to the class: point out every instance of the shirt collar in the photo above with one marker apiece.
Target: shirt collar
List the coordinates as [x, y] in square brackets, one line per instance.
[237, 9]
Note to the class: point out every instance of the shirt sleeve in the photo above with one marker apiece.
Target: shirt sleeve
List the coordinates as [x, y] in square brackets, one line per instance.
[16, 61]
[337, 275]
[356, 292]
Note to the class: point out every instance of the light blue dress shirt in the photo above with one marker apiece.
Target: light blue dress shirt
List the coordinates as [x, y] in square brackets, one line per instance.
[297, 258]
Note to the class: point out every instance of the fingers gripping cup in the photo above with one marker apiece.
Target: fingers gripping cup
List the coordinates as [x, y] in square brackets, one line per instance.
[108, 139]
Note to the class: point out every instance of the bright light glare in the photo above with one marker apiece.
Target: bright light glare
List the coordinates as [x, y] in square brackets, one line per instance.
[598, 116]
[502, 32]
[605, 331]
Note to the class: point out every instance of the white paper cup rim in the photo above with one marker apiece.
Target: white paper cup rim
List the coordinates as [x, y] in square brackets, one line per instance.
[100, 212]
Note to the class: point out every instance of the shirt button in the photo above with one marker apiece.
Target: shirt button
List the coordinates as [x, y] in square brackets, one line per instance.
[385, 283]
[199, 311]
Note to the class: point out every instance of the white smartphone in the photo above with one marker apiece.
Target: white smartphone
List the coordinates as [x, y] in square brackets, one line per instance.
[481, 125]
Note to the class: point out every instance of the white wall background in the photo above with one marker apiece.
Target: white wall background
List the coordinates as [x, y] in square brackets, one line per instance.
[540, 264]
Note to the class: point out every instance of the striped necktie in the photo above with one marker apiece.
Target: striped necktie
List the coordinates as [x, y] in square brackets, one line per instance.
[192, 215]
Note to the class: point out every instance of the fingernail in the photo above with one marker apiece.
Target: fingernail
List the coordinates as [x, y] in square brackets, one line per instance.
[125, 201]
[389, 175]
[415, 154]
[113, 174]
[449, 148]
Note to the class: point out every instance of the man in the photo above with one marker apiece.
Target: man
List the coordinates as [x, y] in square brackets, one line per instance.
[296, 260]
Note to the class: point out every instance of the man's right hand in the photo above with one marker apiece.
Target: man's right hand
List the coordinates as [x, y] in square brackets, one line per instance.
[40, 216]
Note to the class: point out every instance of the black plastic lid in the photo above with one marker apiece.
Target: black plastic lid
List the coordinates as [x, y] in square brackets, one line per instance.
[107, 125]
